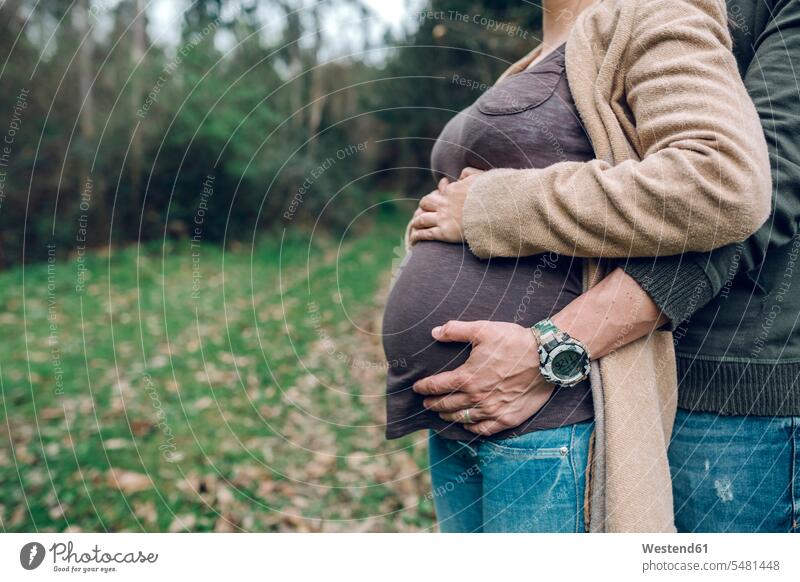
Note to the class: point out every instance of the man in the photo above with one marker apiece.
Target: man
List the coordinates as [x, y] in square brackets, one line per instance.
[735, 451]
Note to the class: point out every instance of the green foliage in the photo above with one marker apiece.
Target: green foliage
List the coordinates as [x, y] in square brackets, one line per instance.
[180, 406]
[137, 128]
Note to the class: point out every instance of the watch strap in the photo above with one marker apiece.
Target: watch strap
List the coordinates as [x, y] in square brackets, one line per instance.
[546, 333]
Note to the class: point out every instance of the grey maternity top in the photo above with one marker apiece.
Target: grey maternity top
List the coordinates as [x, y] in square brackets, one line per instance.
[526, 121]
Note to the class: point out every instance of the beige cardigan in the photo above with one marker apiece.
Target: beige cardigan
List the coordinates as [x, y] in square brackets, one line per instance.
[681, 166]
[681, 162]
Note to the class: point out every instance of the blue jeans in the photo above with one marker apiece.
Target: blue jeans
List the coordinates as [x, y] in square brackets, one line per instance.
[735, 473]
[530, 483]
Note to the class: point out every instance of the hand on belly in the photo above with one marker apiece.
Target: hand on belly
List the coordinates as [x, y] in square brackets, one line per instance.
[498, 387]
[442, 282]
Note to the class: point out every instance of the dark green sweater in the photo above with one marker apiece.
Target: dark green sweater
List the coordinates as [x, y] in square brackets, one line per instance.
[736, 310]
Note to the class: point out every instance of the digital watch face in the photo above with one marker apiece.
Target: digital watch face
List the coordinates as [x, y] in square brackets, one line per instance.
[567, 363]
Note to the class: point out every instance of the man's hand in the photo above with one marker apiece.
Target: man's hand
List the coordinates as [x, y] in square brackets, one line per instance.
[498, 387]
[440, 215]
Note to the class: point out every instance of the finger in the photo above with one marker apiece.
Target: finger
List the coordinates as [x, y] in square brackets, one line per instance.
[433, 233]
[485, 427]
[431, 202]
[417, 212]
[443, 183]
[475, 416]
[458, 331]
[416, 235]
[449, 403]
[443, 383]
[425, 220]
[469, 171]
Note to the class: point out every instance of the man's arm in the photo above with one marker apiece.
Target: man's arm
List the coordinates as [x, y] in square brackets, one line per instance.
[681, 285]
[499, 386]
[613, 313]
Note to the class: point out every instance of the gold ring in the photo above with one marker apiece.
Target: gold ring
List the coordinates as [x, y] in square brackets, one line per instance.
[465, 416]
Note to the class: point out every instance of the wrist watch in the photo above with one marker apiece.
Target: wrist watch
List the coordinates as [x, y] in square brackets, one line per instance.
[563, 360]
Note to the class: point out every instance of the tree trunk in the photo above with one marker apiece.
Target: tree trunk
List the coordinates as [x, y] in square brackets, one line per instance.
[86, 126]
[138, 48]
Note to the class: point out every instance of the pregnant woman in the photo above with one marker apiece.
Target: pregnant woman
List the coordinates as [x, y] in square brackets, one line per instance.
[533, 477]
[526, 121]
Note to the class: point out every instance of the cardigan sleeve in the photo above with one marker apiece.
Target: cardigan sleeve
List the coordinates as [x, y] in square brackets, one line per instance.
[701, 179]
[682, 285]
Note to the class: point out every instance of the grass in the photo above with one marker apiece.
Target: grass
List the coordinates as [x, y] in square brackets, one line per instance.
[205, 390]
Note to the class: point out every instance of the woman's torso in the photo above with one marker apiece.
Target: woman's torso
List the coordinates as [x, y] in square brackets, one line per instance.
[525, 121]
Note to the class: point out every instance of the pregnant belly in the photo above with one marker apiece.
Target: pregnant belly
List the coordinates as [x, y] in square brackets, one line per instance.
[441, 282]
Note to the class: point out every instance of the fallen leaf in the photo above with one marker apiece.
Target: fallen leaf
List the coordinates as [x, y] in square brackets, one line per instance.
[225, 496]
[203, 403]
[51, 413]
[146, 511]
[129, 482]
[184, 522]
[56, 512]
[141, 427]
[225, 524]
[19, 515]
[116, 444]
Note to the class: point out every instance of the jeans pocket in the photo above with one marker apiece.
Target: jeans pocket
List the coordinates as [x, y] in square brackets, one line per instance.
[536, 482]
[544, 444]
